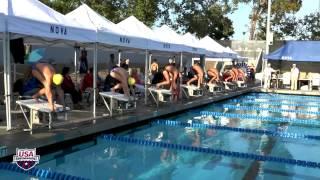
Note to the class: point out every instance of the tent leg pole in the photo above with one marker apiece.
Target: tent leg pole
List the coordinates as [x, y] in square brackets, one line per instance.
[95, 56]
[146, 78]
[150, 59]
[181, 62]
[119, 58]
[181, 70]
[7, 73]
[14, 72]
[4, 48]
[75, 63]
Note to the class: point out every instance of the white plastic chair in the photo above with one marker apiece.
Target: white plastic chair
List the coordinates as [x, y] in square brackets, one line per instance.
[315, 80]
[286, 79]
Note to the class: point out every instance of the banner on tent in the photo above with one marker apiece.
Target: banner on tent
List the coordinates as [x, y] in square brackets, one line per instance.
[286, 57]
[124, 40]
[166, 46]
[58, 29]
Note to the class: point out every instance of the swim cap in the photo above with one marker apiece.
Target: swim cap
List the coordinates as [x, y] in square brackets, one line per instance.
[131, 81]
[57, 79]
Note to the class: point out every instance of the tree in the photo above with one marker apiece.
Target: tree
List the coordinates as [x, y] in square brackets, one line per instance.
[306, 28]
[111, 9]
[309, 27]
[115, 10]
[62, 6]
[204, 18]
[279, 10]
[146, 11]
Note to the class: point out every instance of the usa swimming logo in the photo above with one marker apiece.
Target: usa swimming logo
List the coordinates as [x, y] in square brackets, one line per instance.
[26, 159]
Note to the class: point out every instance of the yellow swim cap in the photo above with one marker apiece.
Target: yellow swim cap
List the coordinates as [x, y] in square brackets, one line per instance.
[131, 81]
[57, 79]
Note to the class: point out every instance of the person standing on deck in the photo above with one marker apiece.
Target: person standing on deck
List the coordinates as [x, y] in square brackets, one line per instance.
[294, 77]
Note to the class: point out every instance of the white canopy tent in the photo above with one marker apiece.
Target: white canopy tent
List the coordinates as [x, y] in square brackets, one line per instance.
[108, 33]
[166, 33]
[136, 28]
[33, 20]
[214, 50]
[192, 41]
[231, 53]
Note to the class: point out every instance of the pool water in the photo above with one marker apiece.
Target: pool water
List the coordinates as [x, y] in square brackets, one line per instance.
[103, 159]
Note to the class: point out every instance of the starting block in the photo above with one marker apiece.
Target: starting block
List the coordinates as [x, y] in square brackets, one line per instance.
[215, 88]
[160, 95]
[190, 91]
[117, 100]
[241, 84]
[37, 107]
[230, 86]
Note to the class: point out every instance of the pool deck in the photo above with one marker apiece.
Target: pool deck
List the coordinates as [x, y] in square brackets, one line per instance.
[45, 139]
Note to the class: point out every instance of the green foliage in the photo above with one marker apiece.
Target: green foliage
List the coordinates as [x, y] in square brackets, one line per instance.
[115, 10]
[146, 11]
[280, 11]
[309, 27]
[204, 18]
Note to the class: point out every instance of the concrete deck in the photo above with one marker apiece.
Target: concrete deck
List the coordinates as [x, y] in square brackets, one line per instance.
[86, 126]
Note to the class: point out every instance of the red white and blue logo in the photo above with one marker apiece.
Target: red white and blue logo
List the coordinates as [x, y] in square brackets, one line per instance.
[26, 159]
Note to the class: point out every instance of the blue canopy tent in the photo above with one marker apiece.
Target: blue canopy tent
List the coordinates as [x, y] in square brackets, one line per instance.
[307, 51]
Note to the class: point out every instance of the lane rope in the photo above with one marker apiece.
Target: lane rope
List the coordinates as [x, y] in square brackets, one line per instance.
[276, 103]
[294, 99]
[259, 95]
[245, 130]
[250, 108]
[37, 172]
[142, 142]
[262, 118]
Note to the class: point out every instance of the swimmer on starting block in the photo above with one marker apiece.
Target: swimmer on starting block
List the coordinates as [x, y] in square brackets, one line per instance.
[46, 74]
[171, 78]
[241, 75]
[122, 76]
[229, 75]
[198, 75]
[214, 74]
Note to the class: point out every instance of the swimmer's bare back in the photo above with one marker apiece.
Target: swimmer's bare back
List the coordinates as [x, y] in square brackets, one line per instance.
[44, 73]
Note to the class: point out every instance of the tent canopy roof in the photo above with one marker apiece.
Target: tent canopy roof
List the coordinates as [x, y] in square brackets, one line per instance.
[194, 42]
[137, 28]
[215, 49]
[108, 33]
[166, 32]
[297, 51]
[33, 18]
[212, 44]
[88, 17]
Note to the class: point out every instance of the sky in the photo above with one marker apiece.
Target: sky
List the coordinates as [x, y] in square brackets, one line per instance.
[240, 17]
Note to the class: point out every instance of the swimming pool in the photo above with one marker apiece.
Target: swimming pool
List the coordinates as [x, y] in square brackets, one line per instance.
[257, 135]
